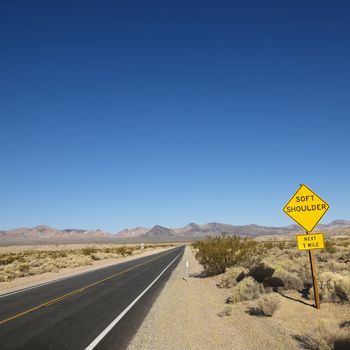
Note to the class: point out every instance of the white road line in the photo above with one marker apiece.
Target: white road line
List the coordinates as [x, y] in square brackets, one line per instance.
[118, 318]
[72, 276]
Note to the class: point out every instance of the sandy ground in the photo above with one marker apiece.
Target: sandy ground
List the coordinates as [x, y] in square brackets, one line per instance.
[185, 316]
[29, 281]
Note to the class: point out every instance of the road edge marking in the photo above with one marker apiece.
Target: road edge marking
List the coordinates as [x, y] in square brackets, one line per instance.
[79, 290]
[25, 289]
[95, 342]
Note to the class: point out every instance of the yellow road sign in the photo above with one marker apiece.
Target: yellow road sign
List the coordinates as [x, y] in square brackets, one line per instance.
[306, 208]
[310, 241]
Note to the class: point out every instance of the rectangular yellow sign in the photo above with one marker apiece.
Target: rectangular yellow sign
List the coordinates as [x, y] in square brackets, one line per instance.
[310, 241]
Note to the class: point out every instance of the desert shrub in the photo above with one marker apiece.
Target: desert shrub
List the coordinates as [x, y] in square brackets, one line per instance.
[124, 250]
[57, 254]
[227, 311]
[335, 266]
[281, 245]
[269, 244]
[218, 253]
[24, 268]
[331, 247]
[232, 276]
[49, 267]
[293, 262]
[7, 276]
[323, 338]
[345, 243]
[60, 263]
[247, 289]
[266, 305]
[276, 277]
[76, 261]
[34, 262]
[289, 280]
[345, 324]
[261, 272]
[88, 250]
[6, 259]
[95, 257]
[334, 287]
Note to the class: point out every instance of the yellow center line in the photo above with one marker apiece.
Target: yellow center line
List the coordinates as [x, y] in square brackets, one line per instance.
[57, 300]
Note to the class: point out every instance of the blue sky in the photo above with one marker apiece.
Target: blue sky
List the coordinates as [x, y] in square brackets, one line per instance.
[119, 114]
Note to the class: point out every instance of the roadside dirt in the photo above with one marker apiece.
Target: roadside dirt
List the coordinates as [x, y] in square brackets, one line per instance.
[185, 316]
[29, 281]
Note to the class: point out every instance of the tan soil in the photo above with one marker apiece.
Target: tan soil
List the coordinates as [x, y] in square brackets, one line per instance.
[185, 316]
[29, 281]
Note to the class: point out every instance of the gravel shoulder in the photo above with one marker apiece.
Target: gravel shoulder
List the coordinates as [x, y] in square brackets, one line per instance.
[185, 316]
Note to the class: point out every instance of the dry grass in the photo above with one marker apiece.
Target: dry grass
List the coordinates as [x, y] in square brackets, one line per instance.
[266, 305]
[284, 269]
[290, 268]
[325, 338]
[334, 287]
[227, 311]
[278, 266]
[23, 262]
[232, 276]
[247, 289]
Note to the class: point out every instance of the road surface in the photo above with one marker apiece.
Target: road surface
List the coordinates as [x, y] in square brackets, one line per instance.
[101, 309]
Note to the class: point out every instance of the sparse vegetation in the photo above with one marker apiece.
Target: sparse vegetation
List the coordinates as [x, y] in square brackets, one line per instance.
[276, 266]
[38, 261]
[266, 305]
[232, 276]
[227, 311]
[247, 289]
[88, 250]
[217, 254]
[325, 338]
[334, 287]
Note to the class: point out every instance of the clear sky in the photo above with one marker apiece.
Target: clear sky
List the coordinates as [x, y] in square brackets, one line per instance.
[117, 114]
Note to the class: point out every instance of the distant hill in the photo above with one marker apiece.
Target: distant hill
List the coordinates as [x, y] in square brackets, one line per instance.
[336, 227]
[46, 235]
[195, 231]
[159, 232]
[132, 232]
[214, 229]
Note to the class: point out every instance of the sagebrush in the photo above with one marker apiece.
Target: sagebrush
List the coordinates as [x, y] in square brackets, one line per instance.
[267, 304]
[325, 338]
[232, 276]
[247, 289]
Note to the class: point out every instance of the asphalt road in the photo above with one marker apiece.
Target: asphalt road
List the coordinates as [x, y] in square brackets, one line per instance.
[106, 306]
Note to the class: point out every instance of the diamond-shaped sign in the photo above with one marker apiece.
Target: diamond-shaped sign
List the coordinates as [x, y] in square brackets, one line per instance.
[306, 208]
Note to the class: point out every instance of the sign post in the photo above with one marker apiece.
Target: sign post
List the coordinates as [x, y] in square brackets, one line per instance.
[307, 209]
[314, 279]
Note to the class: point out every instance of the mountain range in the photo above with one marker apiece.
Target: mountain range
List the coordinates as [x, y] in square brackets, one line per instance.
[192, 230]
[44, 235]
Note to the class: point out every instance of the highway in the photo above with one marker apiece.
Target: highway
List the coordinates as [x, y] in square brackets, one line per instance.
[101, 309]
